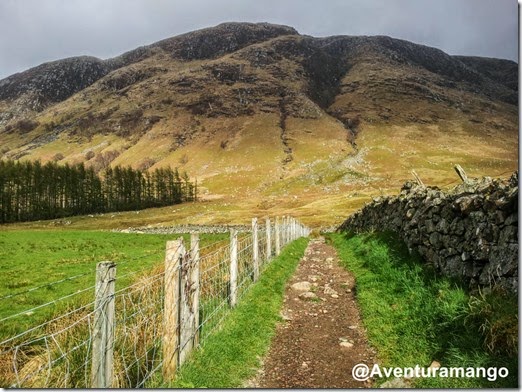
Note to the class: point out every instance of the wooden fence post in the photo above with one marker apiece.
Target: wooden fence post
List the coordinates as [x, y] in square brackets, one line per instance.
[277, 236]
[283, 231]
[233, 267]
[268, 239]
[255, 249]
[188, 310]
[103, 334]
[462, 174]
[173, 255]
[417, 178]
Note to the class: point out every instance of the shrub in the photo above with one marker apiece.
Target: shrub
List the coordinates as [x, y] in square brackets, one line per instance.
[23, 126]
[57, 157]
[146, 164]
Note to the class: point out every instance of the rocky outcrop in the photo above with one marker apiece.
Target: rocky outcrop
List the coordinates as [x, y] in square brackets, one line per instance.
[503, 71]
[324, 60]
[470, 232]
[217, 41]
[489, 77]
[54, 81]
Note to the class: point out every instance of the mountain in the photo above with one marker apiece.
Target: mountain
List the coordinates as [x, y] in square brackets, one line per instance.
[267, 118]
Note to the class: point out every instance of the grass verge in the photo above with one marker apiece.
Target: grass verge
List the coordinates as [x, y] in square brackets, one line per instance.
[414, 317]
[231, 355]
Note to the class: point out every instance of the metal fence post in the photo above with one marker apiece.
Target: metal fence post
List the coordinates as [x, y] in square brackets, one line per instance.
[103, 334]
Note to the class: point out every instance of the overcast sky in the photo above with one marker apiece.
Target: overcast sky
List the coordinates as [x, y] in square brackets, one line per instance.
[36, 31]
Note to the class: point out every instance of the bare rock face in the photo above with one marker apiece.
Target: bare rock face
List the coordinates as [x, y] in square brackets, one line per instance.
[54, 81]
[504, 71]
[470, 232]
[225, 38]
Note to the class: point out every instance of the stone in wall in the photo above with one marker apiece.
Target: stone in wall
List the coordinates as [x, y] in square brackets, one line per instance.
[469, 232]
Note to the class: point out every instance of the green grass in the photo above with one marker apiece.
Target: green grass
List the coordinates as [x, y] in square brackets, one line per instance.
[414, 316]
[231, 355]
[31, 259]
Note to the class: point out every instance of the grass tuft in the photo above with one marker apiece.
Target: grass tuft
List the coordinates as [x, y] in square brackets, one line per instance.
[497, 322]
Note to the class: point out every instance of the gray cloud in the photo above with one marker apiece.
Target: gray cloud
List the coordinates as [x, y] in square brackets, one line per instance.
[35, 31]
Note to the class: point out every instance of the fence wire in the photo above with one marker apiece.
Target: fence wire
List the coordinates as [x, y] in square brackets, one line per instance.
[245, 273]
[139, 330]
[214, 286]
[58, 353]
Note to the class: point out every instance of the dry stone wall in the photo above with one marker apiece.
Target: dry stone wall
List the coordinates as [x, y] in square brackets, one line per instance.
[182, 229]
[470, 232]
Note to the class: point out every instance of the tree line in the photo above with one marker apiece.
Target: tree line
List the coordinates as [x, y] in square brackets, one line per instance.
[31, 190]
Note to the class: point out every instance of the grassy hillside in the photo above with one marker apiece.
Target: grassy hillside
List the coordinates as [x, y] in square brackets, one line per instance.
[327, 180]
[268, 120]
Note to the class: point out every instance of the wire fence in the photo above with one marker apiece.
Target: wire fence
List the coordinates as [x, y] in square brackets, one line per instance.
[140, 334]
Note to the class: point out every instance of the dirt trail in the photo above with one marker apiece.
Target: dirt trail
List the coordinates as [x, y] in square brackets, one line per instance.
[321, 337]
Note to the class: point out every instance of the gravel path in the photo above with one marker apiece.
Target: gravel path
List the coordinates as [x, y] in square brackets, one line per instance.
[321, 337]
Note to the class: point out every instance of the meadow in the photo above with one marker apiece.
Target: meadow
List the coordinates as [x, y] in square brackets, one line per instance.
[42, 267]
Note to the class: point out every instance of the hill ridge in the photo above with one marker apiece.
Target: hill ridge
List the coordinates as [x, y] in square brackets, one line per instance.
[260, 111]
[210, 43]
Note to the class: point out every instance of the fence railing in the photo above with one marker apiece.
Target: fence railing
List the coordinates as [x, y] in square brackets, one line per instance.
[139, 335]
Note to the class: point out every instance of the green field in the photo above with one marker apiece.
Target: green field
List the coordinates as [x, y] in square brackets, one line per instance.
[39, 267]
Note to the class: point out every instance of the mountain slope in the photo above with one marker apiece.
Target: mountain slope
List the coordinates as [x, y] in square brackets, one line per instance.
[264, 116]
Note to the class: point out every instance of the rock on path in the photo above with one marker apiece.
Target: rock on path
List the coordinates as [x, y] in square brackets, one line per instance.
[321, 337]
